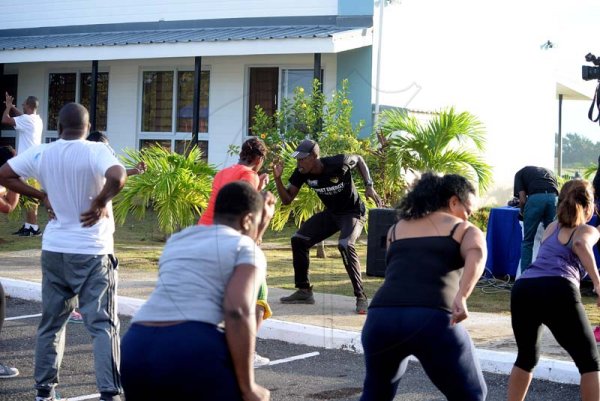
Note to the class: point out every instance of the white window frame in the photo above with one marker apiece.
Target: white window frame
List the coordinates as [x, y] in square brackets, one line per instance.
[281, 67]
[52, 135]
[173, 135]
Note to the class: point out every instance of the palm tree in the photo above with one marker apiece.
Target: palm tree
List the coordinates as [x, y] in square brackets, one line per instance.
[176, 186]
[450, 142]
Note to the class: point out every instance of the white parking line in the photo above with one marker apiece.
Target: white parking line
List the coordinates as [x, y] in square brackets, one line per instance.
[84, 397]
[293, 358]
[22, 317]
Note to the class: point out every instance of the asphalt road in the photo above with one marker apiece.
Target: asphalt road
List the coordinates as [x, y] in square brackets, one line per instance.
[331, 375]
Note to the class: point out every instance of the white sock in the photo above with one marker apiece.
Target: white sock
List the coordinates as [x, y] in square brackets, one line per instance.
[34, 226]
[27, 225]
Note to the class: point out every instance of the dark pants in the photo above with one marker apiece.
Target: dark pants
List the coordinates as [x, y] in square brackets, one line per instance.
[556, 303]
[446, 352]
[187, 361]
[540, 208]
[2, 306]
[320, 227]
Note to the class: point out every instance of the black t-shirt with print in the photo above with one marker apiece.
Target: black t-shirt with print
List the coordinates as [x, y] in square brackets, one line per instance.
[334, 185]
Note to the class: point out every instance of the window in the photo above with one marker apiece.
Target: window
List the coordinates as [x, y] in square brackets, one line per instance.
[267, 83]
[181, 146]
[85, 83]
[167, 108]
[291, 79]
[64, 88]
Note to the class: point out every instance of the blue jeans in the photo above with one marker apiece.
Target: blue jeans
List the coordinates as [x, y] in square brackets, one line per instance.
[540, 208]
[446, 352]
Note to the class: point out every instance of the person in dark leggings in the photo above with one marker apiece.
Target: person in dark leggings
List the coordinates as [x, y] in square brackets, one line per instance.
[331, 179]
[175, 348]
[8, 202]
[434, 259]
[547, 293]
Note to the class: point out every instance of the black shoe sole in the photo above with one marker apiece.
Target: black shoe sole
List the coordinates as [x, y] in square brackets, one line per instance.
[298, 302]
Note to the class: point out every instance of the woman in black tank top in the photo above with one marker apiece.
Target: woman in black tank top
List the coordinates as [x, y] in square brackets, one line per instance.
[434, 259]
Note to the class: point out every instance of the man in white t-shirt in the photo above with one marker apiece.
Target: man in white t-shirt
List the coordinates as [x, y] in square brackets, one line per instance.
[79, 178]
[29, 126]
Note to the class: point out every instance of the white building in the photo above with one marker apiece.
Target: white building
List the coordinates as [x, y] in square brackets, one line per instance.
[146, 53]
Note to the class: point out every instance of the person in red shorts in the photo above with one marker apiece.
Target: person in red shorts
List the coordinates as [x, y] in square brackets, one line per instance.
[252, 157]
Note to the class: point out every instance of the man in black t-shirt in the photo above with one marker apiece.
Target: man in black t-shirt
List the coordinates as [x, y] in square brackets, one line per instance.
[331, 179]
[537, 190]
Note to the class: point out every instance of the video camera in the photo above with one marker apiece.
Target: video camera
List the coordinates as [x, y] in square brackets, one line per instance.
[587, 71]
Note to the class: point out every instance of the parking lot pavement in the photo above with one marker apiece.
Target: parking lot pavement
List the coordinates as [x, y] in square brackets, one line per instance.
[297, 375]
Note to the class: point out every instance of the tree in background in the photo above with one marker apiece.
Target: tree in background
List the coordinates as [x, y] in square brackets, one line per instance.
[327, 121]
[450, 142]
[579, 151]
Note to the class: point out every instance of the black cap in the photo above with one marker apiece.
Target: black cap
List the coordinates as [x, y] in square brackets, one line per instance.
[305, 148]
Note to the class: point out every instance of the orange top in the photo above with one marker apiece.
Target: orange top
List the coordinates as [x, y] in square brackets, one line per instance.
[237, 172]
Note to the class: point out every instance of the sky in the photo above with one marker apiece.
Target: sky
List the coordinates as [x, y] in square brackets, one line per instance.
[487, 58]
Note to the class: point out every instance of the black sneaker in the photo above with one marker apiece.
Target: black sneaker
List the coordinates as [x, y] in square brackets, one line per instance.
[362, 304]
[20, 230]
[30, 232]
[302, 296]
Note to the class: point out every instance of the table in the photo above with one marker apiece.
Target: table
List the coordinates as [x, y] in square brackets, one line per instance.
[504, 237]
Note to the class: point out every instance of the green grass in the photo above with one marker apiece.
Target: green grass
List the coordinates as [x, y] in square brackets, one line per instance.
[139, 245]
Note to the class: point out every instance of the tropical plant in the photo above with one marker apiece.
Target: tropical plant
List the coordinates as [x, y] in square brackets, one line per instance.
[450, 142]
[25, 203]
[177, 187]
[590, 171]
[328, 121]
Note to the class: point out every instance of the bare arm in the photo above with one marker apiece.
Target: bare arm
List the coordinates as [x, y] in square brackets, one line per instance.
[474, 252]
[522, 201]
[267, 215]
[115, 180]
[6, 118]
[240, 329]
[366, 175]
[8, 202]
[583, 242]
[288, 194]
[10, 180]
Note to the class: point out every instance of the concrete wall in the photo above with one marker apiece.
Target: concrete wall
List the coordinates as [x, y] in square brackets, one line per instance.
[228, 107]
[356, 67]
[43, 13]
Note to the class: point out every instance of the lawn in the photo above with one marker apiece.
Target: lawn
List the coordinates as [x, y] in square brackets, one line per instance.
[139, 244]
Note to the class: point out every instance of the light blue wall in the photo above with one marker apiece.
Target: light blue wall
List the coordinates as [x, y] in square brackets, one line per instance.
[356, 66]
[355, 7]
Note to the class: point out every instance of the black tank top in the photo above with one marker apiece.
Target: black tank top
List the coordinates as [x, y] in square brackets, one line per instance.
[421, 271]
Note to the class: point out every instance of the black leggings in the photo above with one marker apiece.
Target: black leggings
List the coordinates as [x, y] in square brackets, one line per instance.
[320, 227]
[556, 303]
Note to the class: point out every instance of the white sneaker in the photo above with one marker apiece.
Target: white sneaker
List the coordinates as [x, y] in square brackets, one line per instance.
[7, 372]
[260, 361]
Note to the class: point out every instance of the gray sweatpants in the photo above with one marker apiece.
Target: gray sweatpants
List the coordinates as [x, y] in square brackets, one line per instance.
[92, 279]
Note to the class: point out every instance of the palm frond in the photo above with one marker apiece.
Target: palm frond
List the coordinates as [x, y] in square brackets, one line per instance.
[176, 186]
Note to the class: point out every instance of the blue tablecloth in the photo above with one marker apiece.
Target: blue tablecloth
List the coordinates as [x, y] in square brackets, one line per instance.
[504, 237]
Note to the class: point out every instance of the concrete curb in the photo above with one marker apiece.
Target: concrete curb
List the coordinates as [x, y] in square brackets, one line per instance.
[330, 338]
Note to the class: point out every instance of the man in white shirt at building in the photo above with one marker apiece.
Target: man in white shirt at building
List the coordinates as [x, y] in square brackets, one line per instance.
[28, 126]
[79, 178]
